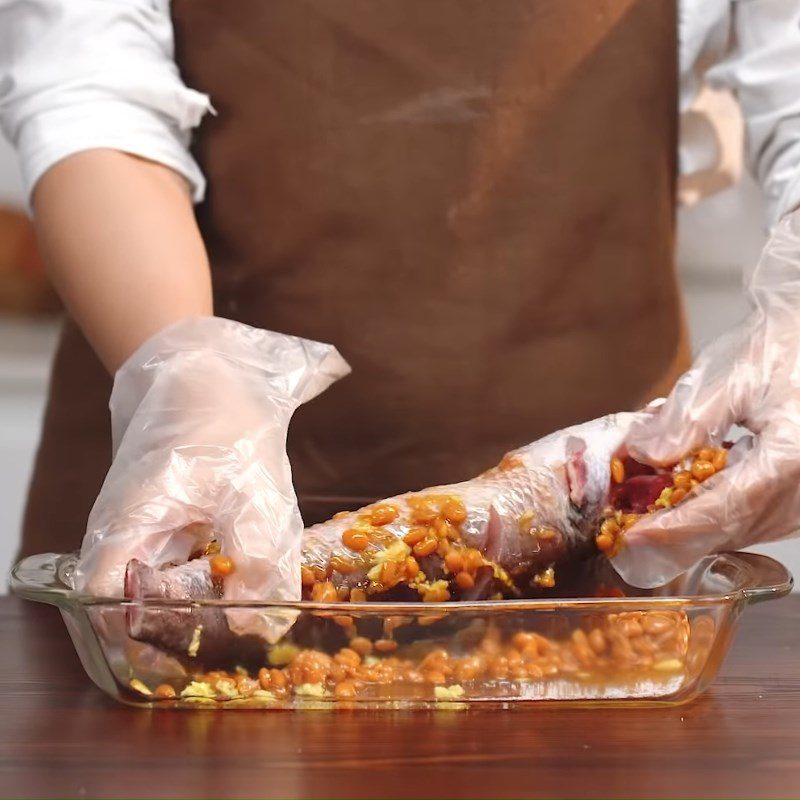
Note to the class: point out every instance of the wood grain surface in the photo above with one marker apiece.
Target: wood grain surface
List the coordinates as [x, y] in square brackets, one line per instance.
[61, 737]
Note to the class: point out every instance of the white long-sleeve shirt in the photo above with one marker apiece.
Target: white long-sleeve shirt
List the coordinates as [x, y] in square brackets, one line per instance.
[82, 74]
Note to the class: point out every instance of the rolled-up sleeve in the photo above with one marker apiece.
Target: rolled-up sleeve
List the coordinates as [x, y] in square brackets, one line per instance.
[762, 68]
[83, 74]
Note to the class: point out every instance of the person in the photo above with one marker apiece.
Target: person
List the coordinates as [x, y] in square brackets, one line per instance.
[474, 201]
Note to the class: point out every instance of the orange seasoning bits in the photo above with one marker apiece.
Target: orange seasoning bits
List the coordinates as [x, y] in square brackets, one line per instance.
[361, 645]
[627, 644]
[445, 529]
[436, 594]
[423, 512]
[345, 690]
[307, 576]
[425, 547]
[389, 573]
[604, 543]
[608, 537]
[355, 540]
[465, 581]
[720, 459]
[473, 559]
[705, 463]
[383, 515]
[221, 566]
[454, 561]
[454, 511]
[324, 592]
[702, 470]
[415, 535]
[677, 495]
[411, 568]
[339, 564]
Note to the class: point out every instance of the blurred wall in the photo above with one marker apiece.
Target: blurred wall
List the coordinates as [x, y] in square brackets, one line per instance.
[25, 352]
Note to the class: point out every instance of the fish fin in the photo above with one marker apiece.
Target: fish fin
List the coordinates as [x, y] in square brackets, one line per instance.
[577, 473]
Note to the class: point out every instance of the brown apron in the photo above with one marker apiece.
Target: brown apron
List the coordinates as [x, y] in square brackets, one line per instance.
[473, 199]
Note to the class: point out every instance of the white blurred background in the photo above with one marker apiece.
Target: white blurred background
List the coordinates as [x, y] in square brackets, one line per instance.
[720, 237]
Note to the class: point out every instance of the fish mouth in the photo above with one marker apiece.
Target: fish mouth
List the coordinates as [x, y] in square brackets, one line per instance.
[577, 472]
[494, 533]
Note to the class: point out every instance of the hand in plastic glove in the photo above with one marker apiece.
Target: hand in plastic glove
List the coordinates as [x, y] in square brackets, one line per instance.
[199, 420]
[749, 377]
[539, 509]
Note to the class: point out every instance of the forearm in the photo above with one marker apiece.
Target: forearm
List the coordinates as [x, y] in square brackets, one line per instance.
[122, 247]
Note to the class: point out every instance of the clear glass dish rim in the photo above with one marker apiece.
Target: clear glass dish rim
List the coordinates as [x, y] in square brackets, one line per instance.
[778, 582]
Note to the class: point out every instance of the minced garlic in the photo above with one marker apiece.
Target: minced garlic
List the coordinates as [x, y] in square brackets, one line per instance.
[198, 689]
[194, 645]
[282, 654]
[546, 578]
[138, 686]
[227, 688]
[454, 692]
[427, 586]
[665, 498]
[501, 575]
[397, 551]
[310, 690]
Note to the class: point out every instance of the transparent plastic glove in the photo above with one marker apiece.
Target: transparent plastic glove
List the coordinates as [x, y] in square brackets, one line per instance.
[199, 421]
[749, 377]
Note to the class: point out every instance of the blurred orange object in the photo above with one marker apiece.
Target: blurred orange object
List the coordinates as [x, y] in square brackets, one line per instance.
[24, 288]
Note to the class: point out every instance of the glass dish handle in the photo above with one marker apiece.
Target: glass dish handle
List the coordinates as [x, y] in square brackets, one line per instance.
[768, 578]
[44, 577]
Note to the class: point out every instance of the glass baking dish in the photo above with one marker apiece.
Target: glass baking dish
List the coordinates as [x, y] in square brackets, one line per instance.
[647, 647]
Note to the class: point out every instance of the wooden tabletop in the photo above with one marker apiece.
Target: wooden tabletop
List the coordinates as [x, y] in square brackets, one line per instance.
[61, 737]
